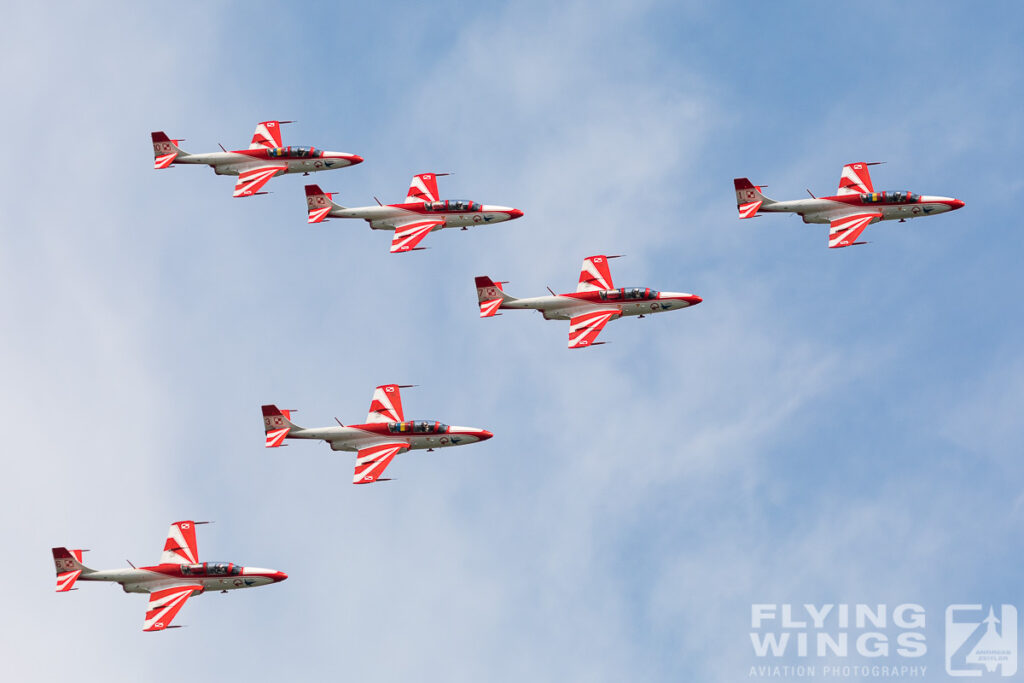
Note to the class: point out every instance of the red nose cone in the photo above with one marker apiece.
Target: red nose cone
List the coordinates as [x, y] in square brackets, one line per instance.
[515, 213]
[694, 300]
[484, 434]
[355, 159]
[279, 576]
[956, 204]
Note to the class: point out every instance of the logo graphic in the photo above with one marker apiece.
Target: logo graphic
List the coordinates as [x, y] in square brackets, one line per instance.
[981, 641]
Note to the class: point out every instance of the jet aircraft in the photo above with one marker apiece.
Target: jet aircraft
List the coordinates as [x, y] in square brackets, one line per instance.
[421, 213]
[265, 158]
[854, 207]
[178, 577]
[385, 434]
[590, 307]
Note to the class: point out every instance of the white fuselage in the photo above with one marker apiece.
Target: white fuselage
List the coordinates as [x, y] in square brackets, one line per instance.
[568, 306]
[391, 217]
[234, 163]
[355, 438]
[149, 579]
[827, 209]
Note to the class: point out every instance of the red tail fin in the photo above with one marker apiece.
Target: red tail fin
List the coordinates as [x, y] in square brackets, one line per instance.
[165, 150]
[277, 424]
[68, 564]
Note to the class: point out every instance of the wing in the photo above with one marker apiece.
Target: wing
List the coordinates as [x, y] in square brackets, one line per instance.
[165, 604]
[386, 405]
[372, 461]
[267, 135]
[855, 179]
[423, 188]
[409, 235]
[594, 275]
[844, 231]
[180, 546]
[251, 180]
[584, 328]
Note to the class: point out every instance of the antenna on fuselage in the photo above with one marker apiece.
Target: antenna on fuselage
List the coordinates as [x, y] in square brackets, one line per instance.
[130, 564]
[339, 422]
[552, 291]
[221, 147]
[377, 200]
[811, 193]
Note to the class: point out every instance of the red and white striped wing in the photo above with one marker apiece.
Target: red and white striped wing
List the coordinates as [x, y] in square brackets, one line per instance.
[180, 546]
[67, 579]
[749, 210]
[843, 232]
[165, 604]
[267, 135]
[423, 188]
[386, 405]
[855, 179]
[595, 275]
[250, 182]
[371, 462]
[583, 329]
[409, 235]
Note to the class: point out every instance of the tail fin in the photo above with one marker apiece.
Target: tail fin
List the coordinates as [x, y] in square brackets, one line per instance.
[277, 424]
[68, 564]
[319, 203]
[491, 296]
[749, 198]
[165, 150]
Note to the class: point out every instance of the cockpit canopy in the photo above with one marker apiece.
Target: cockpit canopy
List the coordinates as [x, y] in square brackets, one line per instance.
[628, 294]
[417, 427]
[446, 205]
[211, 569]
[294, 153]
[890, 198]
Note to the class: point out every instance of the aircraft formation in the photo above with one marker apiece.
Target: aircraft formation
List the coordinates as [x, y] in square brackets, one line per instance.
[386, 433]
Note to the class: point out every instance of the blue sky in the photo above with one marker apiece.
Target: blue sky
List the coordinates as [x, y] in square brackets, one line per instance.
[827, 427]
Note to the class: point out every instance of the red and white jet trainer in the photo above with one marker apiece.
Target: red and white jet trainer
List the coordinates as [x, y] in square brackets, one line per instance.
[590, 307]
[178, 577]
[385, 434]
[854, 207]
[265, 158]
[420, 214]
